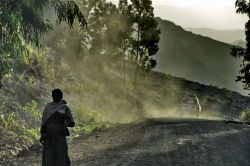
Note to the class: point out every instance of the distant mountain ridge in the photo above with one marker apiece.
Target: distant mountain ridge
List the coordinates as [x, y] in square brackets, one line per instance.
[196, 57]
[226, 36]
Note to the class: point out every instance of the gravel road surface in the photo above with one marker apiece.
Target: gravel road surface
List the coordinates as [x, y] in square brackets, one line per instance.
[166, 142]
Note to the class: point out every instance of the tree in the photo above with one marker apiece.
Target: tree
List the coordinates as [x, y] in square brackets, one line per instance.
[125, 32]
[102, 37]
[22, 24]
[128, 32]
[146, 35]
[110, 35]
[243, 7]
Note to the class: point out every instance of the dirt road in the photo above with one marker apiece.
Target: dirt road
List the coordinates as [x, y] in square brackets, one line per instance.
[158, 142]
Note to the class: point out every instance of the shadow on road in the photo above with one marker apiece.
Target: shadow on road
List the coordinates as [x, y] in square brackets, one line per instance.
[175, 142]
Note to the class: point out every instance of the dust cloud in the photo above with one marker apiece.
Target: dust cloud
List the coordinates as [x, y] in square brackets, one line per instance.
[178, 113]
[101, 87]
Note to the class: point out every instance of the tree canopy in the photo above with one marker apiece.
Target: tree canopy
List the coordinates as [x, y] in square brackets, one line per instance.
[243, 7]
[146, 38]
[22, 23]
[127, 33]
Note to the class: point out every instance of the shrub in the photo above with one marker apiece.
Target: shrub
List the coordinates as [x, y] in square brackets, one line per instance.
[32, 109]
[245, 115]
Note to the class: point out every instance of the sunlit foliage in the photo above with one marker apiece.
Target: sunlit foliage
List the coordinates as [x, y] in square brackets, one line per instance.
[22, 23]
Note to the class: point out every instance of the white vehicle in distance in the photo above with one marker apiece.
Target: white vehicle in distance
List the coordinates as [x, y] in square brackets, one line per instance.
[190, 105]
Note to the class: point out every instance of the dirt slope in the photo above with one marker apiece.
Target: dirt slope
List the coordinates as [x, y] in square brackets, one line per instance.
[158, 142]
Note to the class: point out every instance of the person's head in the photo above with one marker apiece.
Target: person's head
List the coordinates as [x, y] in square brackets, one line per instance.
[57, 95]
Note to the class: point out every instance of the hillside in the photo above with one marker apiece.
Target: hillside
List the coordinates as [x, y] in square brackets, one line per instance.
[241, 43]
[99, 98]
[97, 92]
[196, 57]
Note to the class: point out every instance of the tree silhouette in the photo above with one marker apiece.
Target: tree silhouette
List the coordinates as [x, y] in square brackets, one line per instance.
[128, 32]
[103, 33]
[146, 35]
[243, 7]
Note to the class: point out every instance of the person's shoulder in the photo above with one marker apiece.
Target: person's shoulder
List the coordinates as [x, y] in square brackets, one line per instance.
[66, 107]
[48, 104]
[65, 103]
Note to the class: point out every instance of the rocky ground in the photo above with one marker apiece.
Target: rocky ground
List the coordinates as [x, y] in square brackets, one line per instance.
[156, 142]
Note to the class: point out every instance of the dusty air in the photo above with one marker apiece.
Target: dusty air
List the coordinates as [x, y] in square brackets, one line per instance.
[124, 82]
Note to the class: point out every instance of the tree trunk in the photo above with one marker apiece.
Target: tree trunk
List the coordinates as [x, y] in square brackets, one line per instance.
[124, 63]
[137, 57]
[136, 75]
[1, 85]
[124, 70]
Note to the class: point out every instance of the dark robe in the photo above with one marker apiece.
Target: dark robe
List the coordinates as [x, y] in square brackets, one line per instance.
[54, 129]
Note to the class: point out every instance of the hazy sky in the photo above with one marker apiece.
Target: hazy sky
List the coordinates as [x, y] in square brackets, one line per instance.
[196, 3]
[217, 14]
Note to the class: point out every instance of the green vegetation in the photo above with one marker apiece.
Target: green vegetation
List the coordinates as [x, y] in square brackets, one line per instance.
[32, 109]
[146, 33]
[21, 99]
[22, 24]
[18, 133]
[245, 115]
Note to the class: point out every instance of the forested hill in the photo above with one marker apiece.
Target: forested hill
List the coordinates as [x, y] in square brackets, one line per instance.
[196, 57]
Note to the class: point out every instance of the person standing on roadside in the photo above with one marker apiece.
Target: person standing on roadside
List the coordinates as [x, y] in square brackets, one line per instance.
[56, 119]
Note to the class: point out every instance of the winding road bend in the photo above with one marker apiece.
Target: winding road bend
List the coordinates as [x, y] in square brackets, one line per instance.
[166, 142]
